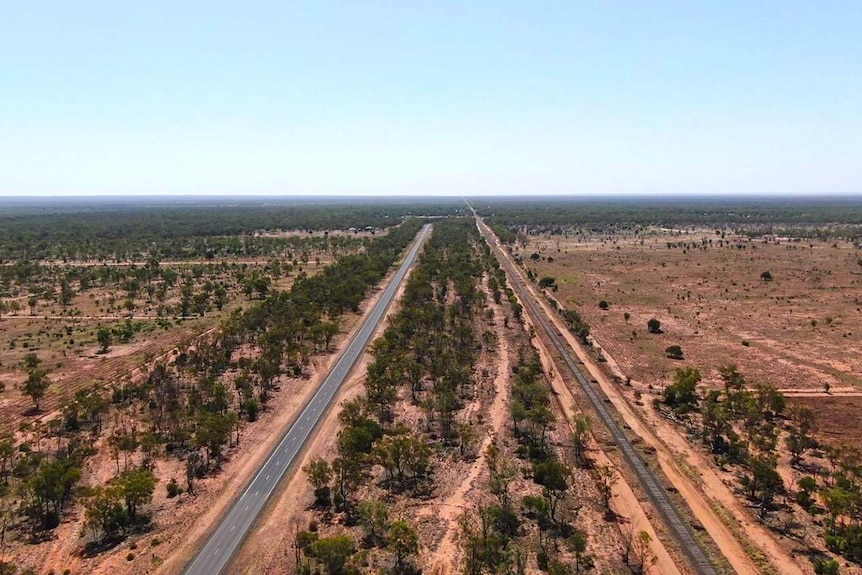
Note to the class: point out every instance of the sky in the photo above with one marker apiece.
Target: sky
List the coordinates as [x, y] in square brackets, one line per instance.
[462, 98]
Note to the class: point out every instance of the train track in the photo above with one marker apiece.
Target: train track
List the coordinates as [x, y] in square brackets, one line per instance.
[671, 516]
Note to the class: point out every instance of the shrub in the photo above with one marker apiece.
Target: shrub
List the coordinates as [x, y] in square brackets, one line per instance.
[604, 305]
[654, 326]
[172, 488]
[674, 352]
[823, 567]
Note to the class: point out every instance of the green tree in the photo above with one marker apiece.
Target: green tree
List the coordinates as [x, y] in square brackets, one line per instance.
[763, 481]
[403, 541]
[799, 432]
[716, 422]
[31, 361]
[35, 386]
[373, 515]
[105, 338]
[319, 474]
[682, 394]
[104, 511]
[137, 487]
[580, 439]
[51, 486]
[66, 292]
[607, 479]
[553, 475]
[334, 553]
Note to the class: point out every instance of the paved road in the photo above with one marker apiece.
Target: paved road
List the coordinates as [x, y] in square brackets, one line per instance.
[216, 554]
[679, 528]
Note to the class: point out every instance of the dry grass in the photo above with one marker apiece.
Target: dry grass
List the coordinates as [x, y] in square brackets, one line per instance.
[799, 330]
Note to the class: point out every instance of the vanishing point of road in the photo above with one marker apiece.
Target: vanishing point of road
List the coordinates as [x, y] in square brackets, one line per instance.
[216, 554]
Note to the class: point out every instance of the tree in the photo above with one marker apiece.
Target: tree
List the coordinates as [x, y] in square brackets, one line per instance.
[213, 433]
[502, 471]
[627, 316]
[403, 541]
[467, 437]
[36, 385]
[66, 292]
[716, 422]
[607, 479]
[31, 361]
[799, 433]
[136, 487]
[104, 511]
[553, 476]
[348, 474]
[603, 305]
[319, 475]
[763, 481]
[373, 515]
[654, 326]
[766, 276]
[334, 553]
[643, 558]
[577, 543]
[51, 486]
[682, 394]
[807, 488]
[105, 339]
[580, 439]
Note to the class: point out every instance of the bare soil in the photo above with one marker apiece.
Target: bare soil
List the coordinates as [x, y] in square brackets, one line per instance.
[798, 330]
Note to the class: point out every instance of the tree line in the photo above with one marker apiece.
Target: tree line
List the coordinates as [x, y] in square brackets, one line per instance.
[426, 358]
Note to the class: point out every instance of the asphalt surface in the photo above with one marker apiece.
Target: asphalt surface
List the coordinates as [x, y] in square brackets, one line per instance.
[216, 554]
[678, 527]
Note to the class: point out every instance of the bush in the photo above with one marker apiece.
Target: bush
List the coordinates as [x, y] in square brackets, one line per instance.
[823, 567]
[604, 305]
[654, 326]
[674, 352]
[766, 276]
[172, 488]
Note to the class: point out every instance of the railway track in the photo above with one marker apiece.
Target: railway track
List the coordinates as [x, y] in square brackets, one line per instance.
[679, 528]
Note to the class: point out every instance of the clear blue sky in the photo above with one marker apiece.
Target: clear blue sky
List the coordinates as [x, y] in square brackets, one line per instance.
[467, 97]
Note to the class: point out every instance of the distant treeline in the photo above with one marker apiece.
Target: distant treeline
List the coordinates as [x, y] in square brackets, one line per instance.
[781, 213]
[92, 230]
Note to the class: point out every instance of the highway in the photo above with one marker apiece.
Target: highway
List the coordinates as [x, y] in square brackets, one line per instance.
[678, 527]
[217, 552]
